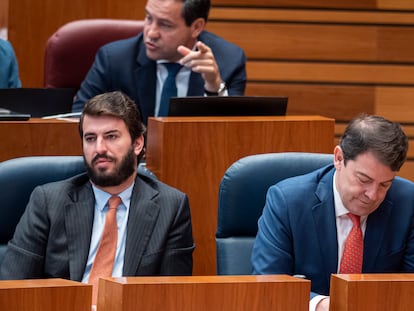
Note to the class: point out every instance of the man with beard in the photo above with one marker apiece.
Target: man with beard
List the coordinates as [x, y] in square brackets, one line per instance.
[174, 34]
[353, 216]
[60, 231]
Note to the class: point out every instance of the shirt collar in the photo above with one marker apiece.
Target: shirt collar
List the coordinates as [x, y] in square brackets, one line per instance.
[102, 197]
[340, 209]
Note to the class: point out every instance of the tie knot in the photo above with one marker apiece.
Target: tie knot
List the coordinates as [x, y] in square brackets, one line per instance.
[172, 68]
[114, 202]
[355, 219]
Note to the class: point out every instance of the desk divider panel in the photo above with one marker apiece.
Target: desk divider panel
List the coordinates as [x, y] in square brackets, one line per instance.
[204, 293]
[365, 292]
[45, 295]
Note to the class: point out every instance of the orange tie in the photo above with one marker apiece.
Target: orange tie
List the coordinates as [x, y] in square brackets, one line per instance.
[354, 248]
[105, 256]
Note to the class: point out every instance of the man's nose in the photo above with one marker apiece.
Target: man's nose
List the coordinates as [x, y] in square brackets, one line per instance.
[100, 145]
[153, 31]
[372, 192]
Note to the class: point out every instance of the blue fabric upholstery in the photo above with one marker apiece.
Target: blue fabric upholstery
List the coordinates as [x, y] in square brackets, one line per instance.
[242, 196]
[18, 178]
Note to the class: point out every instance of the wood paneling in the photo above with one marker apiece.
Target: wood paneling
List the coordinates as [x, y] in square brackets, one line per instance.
[320, 42]
[4, 13]
[310, 16]
[341, 102]
[339, 73]
[322, 4]
[337, 4]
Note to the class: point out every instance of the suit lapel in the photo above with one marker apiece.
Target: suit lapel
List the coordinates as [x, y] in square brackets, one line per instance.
[146, 76]
[325, 224]
[143, 214]
[78, 224]
[374, 234]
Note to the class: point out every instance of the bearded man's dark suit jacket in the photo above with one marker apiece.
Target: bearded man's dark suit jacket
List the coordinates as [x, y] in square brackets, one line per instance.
[124, 66]
[53, 236]
[297, 231]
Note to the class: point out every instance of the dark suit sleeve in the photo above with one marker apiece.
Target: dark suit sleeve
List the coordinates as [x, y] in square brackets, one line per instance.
[236, 78]
[95, 82]
[231, 61]
[25, 255]
[272, 251]
[178, 259]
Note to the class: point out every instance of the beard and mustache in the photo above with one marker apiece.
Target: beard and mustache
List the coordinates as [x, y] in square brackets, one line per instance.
[123, 170]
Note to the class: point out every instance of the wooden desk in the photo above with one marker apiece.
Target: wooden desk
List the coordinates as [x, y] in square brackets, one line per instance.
[204, 293]
[193, 153]
[39, 137]
[45, 295]
[376, 292]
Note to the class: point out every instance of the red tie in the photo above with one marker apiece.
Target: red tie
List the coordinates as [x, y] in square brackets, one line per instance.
[354, 248]
[104, 259]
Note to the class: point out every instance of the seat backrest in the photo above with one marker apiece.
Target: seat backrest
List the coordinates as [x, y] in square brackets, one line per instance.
[71, 50]
[18, 178]
[242, 196]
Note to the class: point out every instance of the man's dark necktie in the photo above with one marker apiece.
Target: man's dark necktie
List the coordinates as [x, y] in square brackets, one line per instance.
[170, 88]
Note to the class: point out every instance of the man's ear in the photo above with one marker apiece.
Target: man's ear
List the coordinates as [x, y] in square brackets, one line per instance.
[338, 157]
[138, 144]
[197, 27]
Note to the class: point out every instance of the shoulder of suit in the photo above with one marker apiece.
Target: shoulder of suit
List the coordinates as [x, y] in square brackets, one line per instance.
[123, 43]
[156, 185]
[71, 182]
[216, 42]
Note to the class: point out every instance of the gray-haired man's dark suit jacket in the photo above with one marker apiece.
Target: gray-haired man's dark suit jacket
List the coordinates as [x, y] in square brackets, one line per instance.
[53, 236]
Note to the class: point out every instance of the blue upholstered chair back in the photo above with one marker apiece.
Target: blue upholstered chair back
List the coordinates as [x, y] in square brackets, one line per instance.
[242, 196]
[18, 178]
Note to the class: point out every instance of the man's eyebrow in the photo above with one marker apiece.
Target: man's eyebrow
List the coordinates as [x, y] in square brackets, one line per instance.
[364, 175]
[105, 133]
[162, 20]
[115, 131]
[370, 178]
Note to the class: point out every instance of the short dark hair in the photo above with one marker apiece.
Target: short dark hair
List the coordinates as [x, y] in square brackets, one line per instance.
[193, 9]
[115, 104]
[384, 138]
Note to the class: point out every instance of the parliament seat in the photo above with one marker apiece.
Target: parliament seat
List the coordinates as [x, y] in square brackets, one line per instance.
[242, 195]
[71, 50]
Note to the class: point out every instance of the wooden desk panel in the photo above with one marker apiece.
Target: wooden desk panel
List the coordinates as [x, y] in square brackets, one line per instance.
[204, 293]
[365, 292]
[38, 137]
[45, 295]
[193, 153]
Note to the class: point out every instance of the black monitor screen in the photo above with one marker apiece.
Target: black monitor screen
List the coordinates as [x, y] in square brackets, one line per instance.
[228, 106]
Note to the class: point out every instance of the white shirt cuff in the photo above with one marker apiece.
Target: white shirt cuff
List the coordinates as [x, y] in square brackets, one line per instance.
[314, 302]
